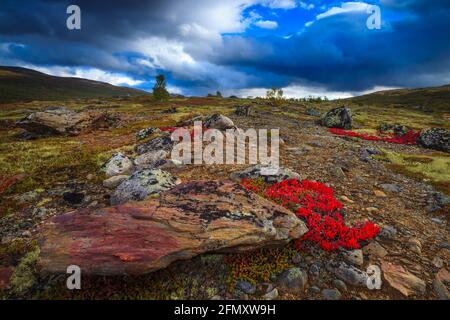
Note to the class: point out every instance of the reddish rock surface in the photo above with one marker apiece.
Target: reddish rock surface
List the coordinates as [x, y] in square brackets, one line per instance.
[140, 237]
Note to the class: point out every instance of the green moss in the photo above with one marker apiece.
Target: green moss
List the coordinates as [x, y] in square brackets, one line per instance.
[24, 276]
[433, 168]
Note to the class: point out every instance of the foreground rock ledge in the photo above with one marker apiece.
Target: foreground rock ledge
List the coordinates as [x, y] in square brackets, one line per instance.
[188, 220]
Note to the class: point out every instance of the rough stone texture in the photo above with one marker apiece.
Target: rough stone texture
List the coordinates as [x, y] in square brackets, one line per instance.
[354, 257]
[292, 280]
[269, 173]
[331, 294]
[374, 249]
[149, 159]
[218, 121]
[338, 118]
[441, 284]
[145, 133]
[435, 138]
[114, 181]
[348, 273]
[141, 184]
[162, 142]
[188, 220]
[402, 280]
[119, 164]
[59, 120]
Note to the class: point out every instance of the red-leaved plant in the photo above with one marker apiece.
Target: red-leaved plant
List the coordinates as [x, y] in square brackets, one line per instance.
[314, 203]
[408, 138]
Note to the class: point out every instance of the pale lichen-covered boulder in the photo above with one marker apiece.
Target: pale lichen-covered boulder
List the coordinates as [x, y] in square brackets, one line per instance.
[62, 121]
[142, 184]
[119, 164]
[140, 237]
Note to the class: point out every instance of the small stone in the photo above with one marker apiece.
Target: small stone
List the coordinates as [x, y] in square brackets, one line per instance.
[293, 280]
[379, 194]
[314, 270]
[90, 176]
[354, 257]
[372, 209]
[114, 181]
[245, 287]
[337, 172]
[374, 249]
[331, 294]
[346, 199]
[387, 233]
[340, 285]
[216, 297]
[272, 295]
[314, 290]
[415, 246]
[390, 187]
[438, 262]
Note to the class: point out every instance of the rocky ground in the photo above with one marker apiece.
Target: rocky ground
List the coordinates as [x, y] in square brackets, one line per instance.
[43, 179]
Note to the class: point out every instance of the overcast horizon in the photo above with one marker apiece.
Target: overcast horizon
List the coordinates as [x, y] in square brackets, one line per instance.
[239, 47]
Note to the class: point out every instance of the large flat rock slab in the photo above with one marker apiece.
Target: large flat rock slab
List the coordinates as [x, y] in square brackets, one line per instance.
[140, 237]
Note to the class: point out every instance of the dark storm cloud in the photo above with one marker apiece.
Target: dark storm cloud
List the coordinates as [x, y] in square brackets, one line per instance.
[338, 52]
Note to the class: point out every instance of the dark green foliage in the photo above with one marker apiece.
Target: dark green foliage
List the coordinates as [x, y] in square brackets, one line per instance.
[159, 90]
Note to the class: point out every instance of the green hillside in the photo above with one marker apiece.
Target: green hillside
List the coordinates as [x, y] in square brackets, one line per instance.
[21, 84]
[437, 98]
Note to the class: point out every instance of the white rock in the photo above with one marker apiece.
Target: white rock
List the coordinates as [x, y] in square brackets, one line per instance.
[119, 164]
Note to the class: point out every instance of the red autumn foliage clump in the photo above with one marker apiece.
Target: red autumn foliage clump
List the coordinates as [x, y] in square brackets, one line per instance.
[408, 138]
[314, 203]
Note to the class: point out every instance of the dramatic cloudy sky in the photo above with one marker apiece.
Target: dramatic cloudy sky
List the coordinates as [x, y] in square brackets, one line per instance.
[309, 47]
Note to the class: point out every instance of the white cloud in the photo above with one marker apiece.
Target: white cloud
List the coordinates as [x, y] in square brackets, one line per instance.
[306, 6]
[116, 79]
[299, 91]
[345, 7]
[280, 4]
[266, 24]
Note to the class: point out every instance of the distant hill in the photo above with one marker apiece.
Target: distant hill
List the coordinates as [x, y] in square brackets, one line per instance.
[21, 84]
[429, 98]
